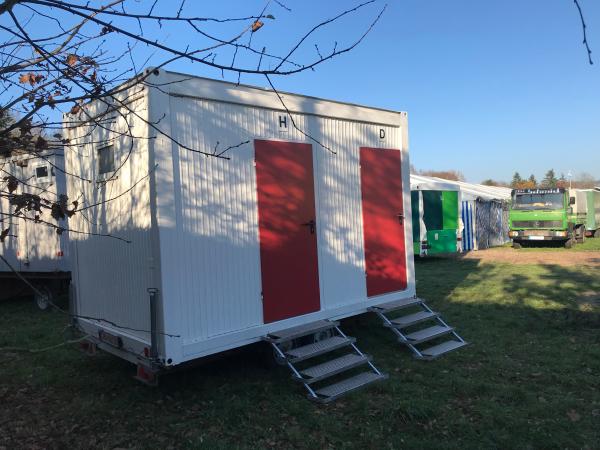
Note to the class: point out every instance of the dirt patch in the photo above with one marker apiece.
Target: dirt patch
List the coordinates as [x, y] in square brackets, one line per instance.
[513, 256]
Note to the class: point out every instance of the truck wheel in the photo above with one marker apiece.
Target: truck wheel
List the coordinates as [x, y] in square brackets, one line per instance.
[581, 234]
[516, 245]
[569, 243]
[43, 297]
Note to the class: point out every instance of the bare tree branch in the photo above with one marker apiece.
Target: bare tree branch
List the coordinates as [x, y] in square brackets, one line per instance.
[583, 27]
[87, 62]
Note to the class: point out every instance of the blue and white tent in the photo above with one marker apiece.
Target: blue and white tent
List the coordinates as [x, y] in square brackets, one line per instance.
[484, 211]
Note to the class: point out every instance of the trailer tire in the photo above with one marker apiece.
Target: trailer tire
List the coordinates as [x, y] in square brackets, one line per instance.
[43, 297]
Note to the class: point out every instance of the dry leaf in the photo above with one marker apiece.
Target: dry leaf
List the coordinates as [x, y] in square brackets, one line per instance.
[30, 78]
[257, 26]
[72, 59]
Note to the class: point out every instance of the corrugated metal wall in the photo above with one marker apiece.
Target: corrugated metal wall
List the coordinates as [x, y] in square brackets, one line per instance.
[33, 247]
[594, 209]
[112, 276]
[213, 265]
[210, 260]
[339, 206]
[9, 248]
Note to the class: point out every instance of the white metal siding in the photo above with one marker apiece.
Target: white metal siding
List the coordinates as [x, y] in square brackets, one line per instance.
[210, 254]
[112, 276]
[34, 246]
[198, 214]
[217, 239]
[341, 249]
[214, 266]
[9, 248]
[580, 206]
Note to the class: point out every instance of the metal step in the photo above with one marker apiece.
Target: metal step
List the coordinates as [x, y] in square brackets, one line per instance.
[397, 304]
[438, 350]
[427, 334]
[333, 367]
[300, 331]
[333, 391]
[413, 319]
[318, 348]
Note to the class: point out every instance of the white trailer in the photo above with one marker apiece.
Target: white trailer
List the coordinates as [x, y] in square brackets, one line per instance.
[294, 230]
[34, 250]
[585, 204]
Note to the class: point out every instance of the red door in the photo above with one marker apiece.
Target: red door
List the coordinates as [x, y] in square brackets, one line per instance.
[287, 229]
[383, 220]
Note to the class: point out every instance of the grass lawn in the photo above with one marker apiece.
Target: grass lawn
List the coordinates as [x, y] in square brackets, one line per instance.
[530, 379]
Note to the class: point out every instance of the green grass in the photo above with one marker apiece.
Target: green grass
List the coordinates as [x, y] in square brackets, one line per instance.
[530, 379]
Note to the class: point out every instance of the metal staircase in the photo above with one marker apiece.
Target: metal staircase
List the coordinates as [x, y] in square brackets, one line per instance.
[323, 359]
[423, 326]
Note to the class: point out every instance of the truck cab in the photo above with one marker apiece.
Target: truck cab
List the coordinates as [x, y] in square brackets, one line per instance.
[543, 215]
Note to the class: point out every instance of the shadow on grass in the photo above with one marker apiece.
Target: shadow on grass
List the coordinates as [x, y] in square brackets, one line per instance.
[521, 383]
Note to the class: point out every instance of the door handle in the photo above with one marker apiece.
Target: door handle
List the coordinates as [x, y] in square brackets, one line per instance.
[311, 225]
[400, 217]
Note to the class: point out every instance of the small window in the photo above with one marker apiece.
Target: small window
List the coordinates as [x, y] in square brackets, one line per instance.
[41, 172]
[106, 159]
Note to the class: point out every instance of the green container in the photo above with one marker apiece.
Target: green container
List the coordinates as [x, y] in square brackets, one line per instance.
[439, 219]
[441, 241]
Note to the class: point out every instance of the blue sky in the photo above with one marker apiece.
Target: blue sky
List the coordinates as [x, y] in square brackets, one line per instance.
[490, 86]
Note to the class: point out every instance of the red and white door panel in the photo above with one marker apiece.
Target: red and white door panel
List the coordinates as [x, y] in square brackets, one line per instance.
[383, 220]
[287, 223]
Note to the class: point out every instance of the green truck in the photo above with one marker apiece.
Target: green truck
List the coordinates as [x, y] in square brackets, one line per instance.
[560, 215]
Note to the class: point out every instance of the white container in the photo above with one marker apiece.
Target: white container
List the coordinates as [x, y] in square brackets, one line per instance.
[33, 248]
[234, 246]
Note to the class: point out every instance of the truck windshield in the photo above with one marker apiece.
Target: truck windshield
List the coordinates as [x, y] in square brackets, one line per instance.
[538, 201]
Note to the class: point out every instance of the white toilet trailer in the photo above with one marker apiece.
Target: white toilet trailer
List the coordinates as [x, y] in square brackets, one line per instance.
[34, 250]
[279, 227]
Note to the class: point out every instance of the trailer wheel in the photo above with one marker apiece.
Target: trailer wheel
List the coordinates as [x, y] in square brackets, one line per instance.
[43, 297]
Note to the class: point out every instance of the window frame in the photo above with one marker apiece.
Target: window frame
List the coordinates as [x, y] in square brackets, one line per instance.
[44, 178]
[101, 170]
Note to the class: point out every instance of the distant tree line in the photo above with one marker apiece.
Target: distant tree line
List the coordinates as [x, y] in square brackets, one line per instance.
[550, 180]
[582, 181]
[490, 182]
